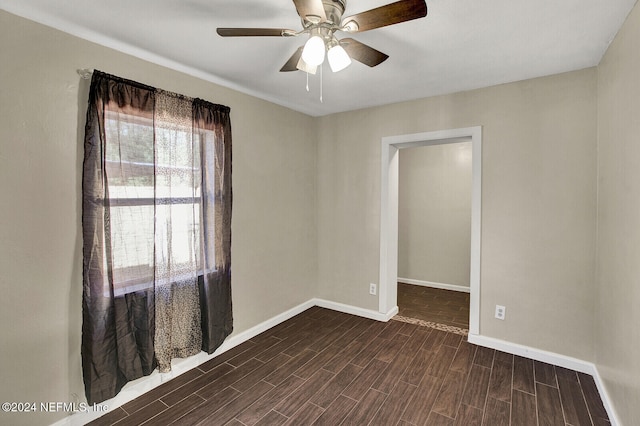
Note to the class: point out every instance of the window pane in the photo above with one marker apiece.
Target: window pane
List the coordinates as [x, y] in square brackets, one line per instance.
[178, 172]
[132, 247]
[155, 194]
[129, 156]
[177, 238]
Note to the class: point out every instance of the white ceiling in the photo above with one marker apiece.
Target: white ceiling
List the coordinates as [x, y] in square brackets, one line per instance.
[460, 45]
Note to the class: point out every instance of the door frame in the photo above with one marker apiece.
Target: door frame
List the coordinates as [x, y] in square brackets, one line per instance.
[388, 295]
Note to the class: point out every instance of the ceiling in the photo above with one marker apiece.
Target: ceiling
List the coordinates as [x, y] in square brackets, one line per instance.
[460, 45]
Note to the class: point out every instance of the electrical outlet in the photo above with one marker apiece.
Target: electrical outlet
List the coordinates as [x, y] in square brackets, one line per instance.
[500, 312]
[373, 289]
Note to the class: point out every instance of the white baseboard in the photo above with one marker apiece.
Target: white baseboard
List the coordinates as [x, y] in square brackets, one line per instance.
[606, 400]
[551, 358]
[532, 353]
[453, 287]
[354, 310]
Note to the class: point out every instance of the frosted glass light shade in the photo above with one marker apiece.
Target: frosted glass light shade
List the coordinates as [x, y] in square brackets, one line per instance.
[338, 58]
[313, 52]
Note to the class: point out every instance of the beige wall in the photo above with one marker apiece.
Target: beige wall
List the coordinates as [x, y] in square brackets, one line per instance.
[42, 107]
[617, 331]
[538, 203]
[434, 213]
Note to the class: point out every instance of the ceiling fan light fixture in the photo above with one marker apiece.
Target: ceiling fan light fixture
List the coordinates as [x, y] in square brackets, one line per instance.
[313, 52]
[338, 58]
[322, 19]
[303, 66]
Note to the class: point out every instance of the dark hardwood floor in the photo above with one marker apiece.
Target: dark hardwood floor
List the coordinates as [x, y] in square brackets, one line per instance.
[434, 305]
[328, 368]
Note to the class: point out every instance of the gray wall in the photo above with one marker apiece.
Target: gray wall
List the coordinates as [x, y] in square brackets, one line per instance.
[42, 112]
[434, 213]
[617, 331]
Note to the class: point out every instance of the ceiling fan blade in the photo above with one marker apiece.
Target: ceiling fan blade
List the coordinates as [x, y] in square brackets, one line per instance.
[255, 32]
[394, 13]
[311, 10]
[363, 53]
[292, 63]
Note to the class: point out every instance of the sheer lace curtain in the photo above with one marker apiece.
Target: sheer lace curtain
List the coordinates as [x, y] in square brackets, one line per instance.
[156, 228]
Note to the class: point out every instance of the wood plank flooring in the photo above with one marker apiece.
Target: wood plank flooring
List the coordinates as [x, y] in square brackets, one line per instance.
[434, 305]
[328, 368]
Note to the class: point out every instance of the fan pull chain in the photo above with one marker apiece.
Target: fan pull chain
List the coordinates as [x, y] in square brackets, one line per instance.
[307, 82]
[321, 67]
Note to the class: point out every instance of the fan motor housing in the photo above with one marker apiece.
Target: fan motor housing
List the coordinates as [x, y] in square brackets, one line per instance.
[334, 10]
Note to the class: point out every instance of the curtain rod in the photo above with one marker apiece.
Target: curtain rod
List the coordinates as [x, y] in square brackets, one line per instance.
[85, 73]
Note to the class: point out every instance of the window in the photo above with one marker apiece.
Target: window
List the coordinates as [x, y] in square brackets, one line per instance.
[154, 195]
[156, 221]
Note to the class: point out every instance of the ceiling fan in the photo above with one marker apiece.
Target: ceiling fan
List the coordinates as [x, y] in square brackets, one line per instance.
[321, 19]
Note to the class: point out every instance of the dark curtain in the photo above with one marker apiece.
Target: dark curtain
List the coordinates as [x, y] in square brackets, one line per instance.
[119, 324]
[212, 122]
[117, 333]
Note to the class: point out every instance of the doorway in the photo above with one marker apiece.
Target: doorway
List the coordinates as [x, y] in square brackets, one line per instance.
[434, 234]
[389, 214]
